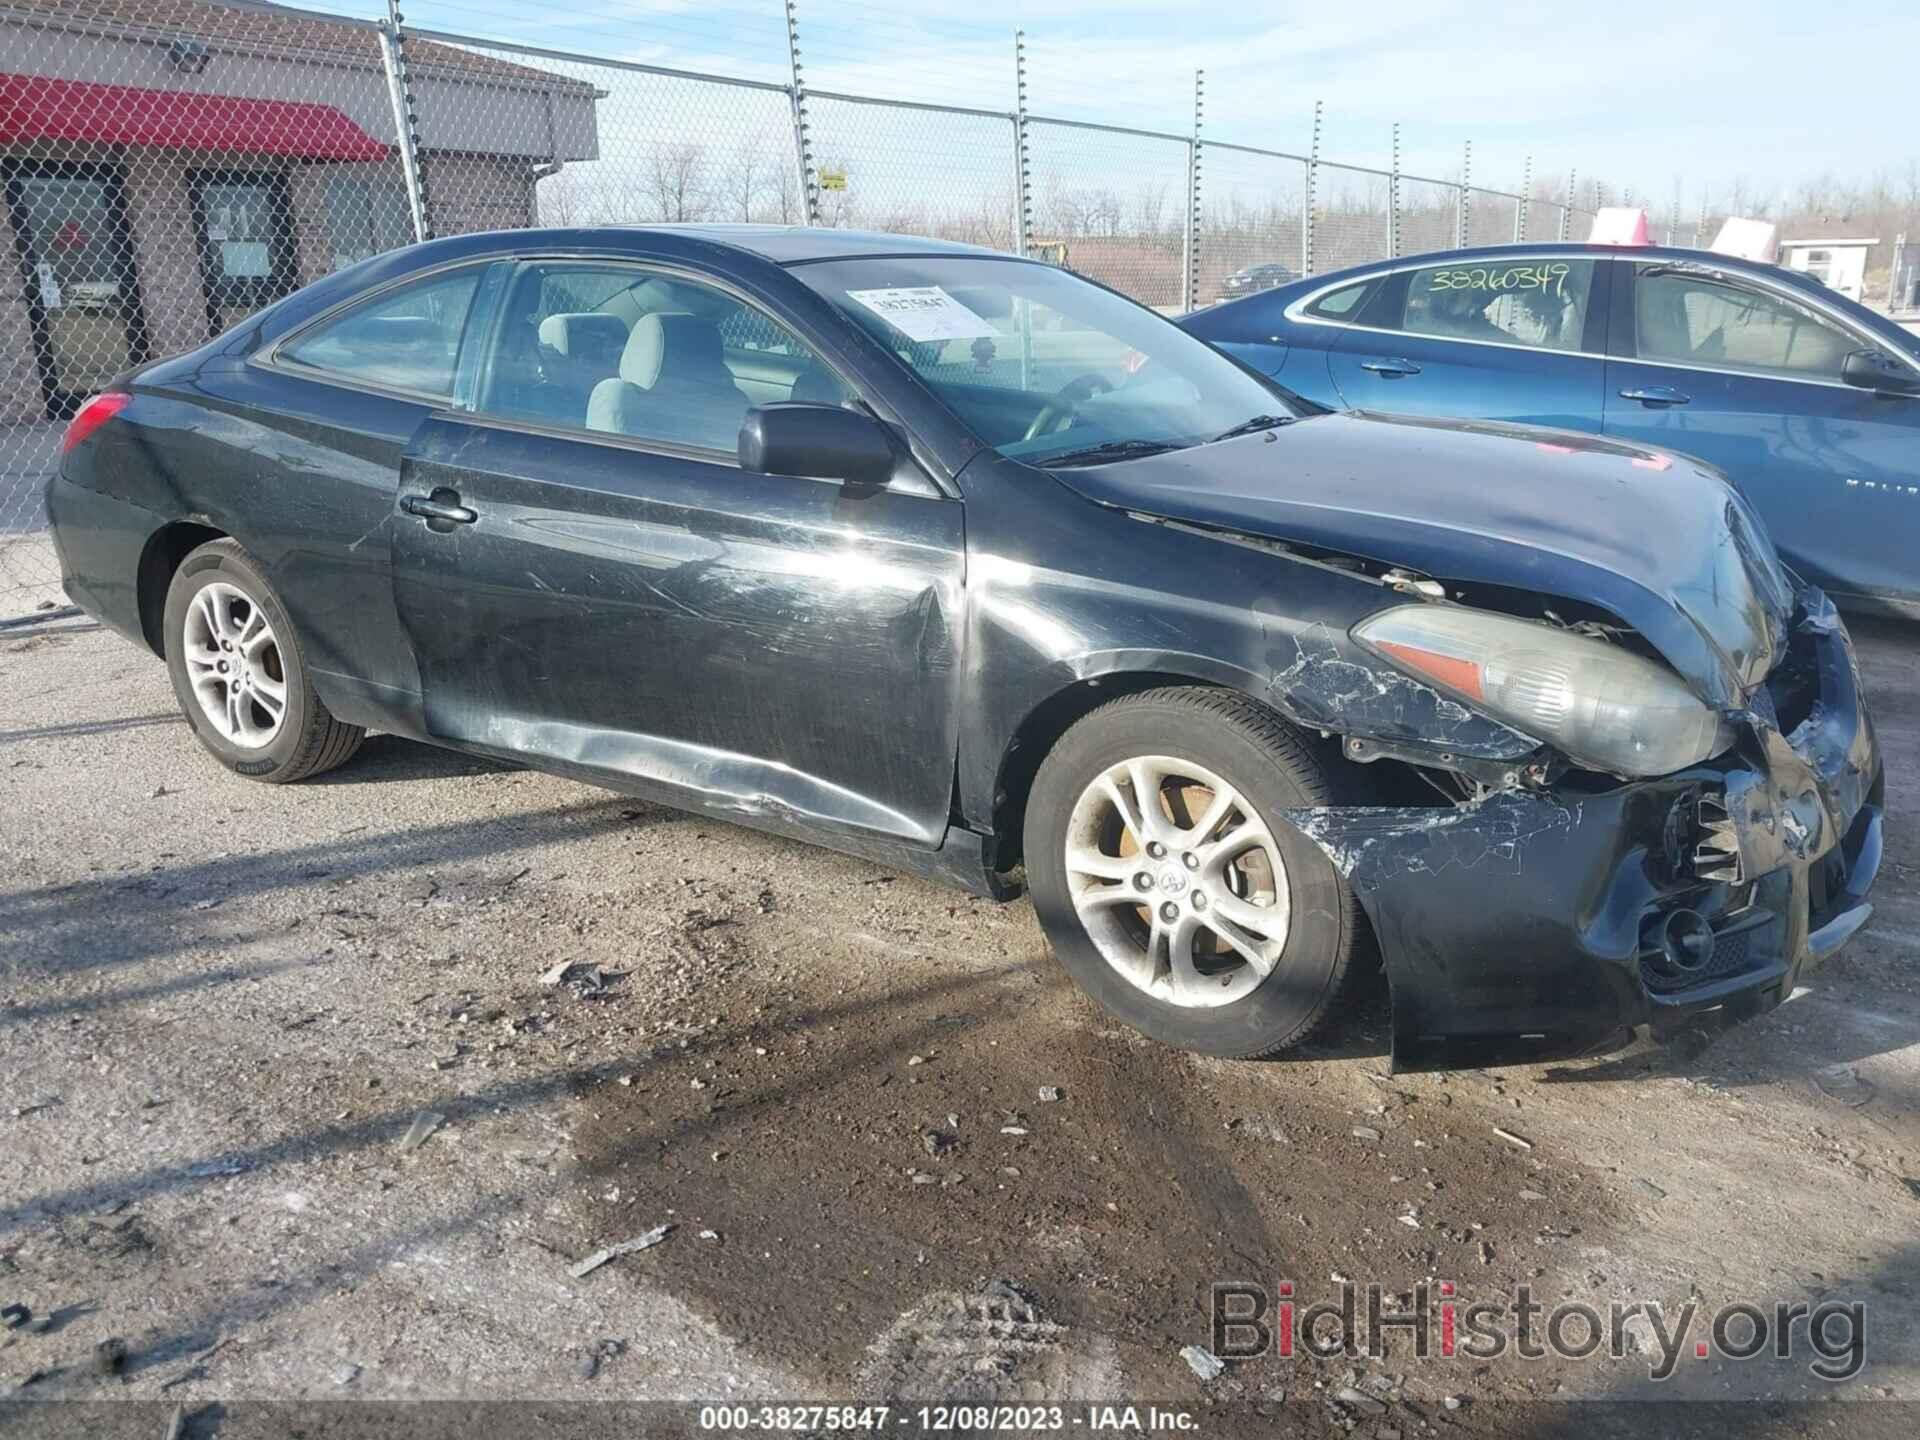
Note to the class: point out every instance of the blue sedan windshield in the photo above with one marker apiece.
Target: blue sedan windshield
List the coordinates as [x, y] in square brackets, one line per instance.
[1042, 365]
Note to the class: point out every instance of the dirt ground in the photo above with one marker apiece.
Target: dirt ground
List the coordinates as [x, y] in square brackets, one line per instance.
[223, 1006]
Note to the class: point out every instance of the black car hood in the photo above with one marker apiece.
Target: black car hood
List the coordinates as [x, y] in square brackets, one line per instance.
[1657, 540]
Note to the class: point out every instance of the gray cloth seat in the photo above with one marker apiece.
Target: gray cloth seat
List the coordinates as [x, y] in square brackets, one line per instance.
[589, 339]
[577, 351]
[547, 372]
[673, 385]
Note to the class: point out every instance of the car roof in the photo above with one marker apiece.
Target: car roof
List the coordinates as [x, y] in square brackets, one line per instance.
[1675, 253]
[791, 244]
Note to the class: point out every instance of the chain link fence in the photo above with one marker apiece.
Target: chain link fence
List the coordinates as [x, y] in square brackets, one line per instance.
[161, 185]
[1111, 204]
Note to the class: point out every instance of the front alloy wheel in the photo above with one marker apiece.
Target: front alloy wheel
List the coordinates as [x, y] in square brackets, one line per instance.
[1169, 882]
[1178, 882]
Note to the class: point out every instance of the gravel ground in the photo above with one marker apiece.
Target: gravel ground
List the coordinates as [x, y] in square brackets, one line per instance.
[899, 1154]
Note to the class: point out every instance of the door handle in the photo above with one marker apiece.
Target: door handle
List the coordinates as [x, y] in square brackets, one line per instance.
[1656, 395]
[441, 510]
[1390, 369]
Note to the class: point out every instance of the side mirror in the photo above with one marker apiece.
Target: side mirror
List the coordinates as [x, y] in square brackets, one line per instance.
[1876, 370]
[818, 442]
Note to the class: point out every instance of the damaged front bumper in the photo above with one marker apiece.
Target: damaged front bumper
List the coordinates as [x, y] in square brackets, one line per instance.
[1542, 923]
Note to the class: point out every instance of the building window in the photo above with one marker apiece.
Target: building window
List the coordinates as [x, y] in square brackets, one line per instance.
[367, 215]
[243, 222]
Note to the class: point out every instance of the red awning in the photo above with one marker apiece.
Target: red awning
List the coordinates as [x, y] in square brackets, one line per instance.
[37, 108]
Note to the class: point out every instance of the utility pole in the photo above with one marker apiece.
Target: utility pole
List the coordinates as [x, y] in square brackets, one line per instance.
[1393, 198]
[406, 121]
[802, 144]
[1192, 266]
[1313, 176]
[1022, 168]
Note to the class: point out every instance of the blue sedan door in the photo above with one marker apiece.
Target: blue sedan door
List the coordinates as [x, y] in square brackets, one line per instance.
[1511, 338]
[1287, 336]
[1744, 373]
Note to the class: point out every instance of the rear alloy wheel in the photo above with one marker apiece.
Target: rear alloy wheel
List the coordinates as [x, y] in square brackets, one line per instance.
[239, 675]
[1169, 886]
[235, 666]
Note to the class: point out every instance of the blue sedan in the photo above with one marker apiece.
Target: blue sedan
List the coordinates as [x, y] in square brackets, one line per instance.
[1808, 401]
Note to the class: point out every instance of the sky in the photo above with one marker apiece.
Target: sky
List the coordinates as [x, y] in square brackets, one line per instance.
[1686, 96]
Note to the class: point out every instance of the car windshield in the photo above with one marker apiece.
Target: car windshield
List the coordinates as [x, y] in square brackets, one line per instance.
[1044, 366]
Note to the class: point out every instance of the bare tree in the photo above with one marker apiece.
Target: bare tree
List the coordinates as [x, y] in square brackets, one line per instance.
[676, 180]
[558, 199]
[743, 179]
[782, 193]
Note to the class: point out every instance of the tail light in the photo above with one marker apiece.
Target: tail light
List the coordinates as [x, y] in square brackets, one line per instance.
[92, 415]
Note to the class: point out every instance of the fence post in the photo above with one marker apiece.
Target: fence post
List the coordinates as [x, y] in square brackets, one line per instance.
[1022, 161]
[1393, 196]
[1520, 210]
[1893, 275]
[1191, 267]
[1566, 210]
[802, 146]
[406, 123]
[1464, 213]
[1313, 177]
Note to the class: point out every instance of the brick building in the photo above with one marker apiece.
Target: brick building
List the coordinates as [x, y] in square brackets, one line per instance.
[171, 165]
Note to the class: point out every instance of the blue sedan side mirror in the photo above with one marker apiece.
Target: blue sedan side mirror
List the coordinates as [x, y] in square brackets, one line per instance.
[1876, 370]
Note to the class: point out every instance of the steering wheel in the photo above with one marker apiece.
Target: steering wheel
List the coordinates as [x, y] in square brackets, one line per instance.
[1058, 412]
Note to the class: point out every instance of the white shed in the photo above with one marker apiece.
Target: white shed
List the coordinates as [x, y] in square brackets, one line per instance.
[1838, 264]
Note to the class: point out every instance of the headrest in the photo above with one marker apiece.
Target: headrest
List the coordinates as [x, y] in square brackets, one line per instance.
[584, 335]
[670, 344]
[402, 330]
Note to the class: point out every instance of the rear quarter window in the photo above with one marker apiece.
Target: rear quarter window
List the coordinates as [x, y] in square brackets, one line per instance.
[1344, 303]
[404, 339]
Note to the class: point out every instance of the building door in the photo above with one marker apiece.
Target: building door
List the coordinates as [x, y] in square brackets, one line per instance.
[243, 230]
[76, 266]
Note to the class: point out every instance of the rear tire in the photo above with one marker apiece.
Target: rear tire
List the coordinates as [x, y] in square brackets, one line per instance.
[240, 675]
[1240, 956]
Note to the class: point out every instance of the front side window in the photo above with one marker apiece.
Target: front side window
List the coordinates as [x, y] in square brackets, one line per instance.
[1541, 304]
[1039, 363]
[408, 338]
[621, 350]
[1697, 317]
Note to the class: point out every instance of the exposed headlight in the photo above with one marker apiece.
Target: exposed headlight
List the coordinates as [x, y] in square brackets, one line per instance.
[1603, 706]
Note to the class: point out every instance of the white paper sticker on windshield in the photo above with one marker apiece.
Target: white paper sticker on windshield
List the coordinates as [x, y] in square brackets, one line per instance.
[924, 312]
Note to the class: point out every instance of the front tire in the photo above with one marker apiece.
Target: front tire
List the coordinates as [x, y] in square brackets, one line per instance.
[240, 675]
[1170, 887]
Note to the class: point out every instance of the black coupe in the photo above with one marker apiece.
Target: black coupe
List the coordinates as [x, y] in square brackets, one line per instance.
[966, 564]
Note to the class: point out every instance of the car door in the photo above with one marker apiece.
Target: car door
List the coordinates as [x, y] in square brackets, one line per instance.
[1511, 338]
[1286, 335]
[588, 578]
[299, 452]
[1744, 373]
